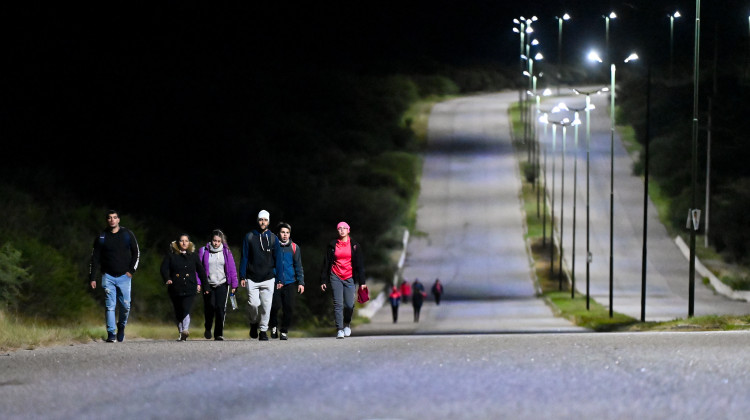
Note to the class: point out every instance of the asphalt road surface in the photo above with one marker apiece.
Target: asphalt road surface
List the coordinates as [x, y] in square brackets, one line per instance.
[480, 376]
[492, 349]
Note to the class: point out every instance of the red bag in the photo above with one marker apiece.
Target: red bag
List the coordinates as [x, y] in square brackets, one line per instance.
[363, 295]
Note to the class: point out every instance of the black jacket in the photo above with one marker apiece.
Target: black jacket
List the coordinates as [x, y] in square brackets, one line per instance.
[114, 253]
[358, 263]
[181, 269]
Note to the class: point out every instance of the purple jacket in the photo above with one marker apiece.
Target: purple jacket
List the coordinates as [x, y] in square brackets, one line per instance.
[229, 268]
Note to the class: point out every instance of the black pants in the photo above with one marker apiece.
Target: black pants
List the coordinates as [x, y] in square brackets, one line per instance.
[283, 299]
[215, 307]
[417, 309]
[182, 306]
[394, 310]
[437, 298]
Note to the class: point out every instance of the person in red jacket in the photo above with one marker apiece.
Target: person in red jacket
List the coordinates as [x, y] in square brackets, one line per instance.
[395, 298]
[405, 291]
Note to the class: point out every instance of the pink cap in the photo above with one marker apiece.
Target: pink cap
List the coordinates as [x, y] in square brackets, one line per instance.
[342, 224]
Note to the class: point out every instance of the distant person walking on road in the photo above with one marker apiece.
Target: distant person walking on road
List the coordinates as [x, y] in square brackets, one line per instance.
[222, 279]
[437, 291]
[293, 282]
[180, 270]
[417, 299]
[405, 290]
[343, 271]
[395, 298]
[115, 255]
[259, 267]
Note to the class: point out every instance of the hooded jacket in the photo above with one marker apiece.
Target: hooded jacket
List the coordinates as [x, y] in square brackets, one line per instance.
[229, 268]
[358, 265]
[183, 270]
[260, 257]
[291, 264]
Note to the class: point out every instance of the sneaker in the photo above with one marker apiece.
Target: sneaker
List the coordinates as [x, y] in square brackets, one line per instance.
[219, 338]
[120, 333]
[184, 335]
[263, 336]
[253, 330]
[207, 334]
[340, 334]
[110, 337]
[347, 331]
[274, 333]
[282, 336]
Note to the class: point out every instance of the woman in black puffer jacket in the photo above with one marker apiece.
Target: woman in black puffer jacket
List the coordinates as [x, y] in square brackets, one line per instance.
[179, 270]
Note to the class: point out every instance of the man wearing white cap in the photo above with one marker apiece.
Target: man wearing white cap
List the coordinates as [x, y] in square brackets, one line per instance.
[258, 268]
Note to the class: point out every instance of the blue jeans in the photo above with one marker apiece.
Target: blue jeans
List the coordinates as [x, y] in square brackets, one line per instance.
[117, 290]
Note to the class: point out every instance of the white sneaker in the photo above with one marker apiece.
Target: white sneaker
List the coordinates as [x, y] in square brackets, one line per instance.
[340, 334]
[347, 331]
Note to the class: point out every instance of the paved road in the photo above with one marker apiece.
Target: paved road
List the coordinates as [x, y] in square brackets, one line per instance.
[472, 225]
[667, 268]
[482, 376]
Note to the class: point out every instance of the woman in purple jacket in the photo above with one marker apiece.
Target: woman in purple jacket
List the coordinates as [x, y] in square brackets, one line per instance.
[222, 278]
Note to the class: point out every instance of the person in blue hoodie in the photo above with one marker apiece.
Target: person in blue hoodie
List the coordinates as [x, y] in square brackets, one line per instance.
[259, 267]
[293, 282]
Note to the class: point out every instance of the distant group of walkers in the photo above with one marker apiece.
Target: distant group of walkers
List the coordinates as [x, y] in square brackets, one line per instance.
[270, 268]
[414, 291]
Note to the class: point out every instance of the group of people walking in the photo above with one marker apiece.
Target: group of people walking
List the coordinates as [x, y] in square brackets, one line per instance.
[414, 292]
[270, 268]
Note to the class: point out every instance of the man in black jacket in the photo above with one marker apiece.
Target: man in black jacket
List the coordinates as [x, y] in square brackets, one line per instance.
[115, 255]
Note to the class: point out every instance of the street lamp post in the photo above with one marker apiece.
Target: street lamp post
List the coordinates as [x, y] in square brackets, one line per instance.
[672, 17]
[559, 47]
[595, 57]
[576, 123]
[589, 107]
[694, 200]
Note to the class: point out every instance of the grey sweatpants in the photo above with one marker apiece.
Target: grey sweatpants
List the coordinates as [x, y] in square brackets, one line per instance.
[343, 300]
[260, 298]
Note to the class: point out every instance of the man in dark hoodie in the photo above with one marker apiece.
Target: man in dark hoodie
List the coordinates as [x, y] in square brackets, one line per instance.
[258, 270]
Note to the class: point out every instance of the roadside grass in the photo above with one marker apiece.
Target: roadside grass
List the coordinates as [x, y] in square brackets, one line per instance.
[556, 290]
[17, 334]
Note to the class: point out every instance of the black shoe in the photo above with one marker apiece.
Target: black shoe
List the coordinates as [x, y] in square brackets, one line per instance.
[263, 336]
[274, 333]
[207, 334]
[253, 330]
[184, 335]
[110, 337]
[120, 333]
[282, 336]
[219, 338]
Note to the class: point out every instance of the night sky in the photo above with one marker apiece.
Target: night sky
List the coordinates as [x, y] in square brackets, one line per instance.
[90, 92]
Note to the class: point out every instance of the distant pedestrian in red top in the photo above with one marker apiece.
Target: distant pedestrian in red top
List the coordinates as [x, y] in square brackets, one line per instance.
[437, 291]
[405, 291]
[395, 298]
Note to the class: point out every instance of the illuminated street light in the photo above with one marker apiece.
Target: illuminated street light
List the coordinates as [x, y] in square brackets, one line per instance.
[559, 47]
[672, 17]
[612, 15]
